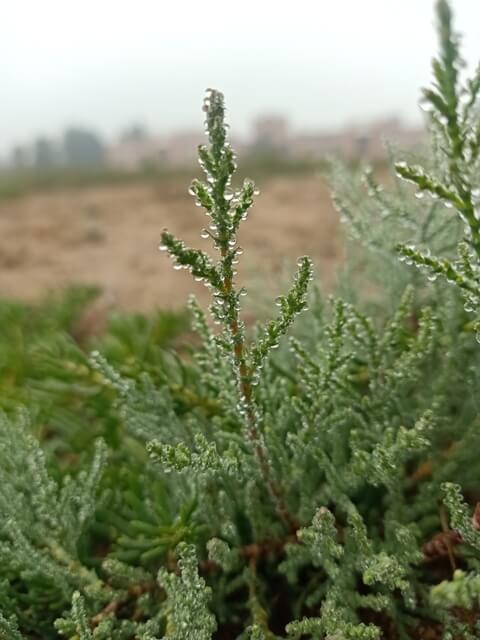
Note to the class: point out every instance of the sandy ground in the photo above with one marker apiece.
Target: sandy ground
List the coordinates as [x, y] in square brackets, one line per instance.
[109, 235]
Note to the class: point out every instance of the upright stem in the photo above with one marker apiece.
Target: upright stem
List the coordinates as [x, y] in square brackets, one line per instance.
[246, 392]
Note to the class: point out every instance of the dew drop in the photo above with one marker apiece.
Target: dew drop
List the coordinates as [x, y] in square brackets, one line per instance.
[204, 234]
[177, 266]
[419, 195]
[426, 106]
[163, 247]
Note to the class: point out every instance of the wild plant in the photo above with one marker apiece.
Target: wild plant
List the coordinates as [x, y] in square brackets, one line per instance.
[258, 488]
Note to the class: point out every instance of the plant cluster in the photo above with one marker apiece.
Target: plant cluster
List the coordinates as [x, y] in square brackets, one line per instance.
[251, 487]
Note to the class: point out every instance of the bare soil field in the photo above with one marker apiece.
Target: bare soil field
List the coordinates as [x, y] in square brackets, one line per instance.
[109, 236]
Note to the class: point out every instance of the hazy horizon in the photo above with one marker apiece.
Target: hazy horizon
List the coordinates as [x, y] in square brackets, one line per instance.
[109, 65]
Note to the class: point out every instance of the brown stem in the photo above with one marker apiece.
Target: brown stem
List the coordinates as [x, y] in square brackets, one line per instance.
[134, 592]
[246, 391]
[253, 552]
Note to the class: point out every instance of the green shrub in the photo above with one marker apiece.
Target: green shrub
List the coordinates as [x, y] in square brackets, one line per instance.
[257, 488]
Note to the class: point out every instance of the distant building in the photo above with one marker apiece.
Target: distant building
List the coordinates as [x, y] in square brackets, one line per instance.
[82, 148]
[20, 157]
[357, 141]
[182, 148]
[373, 137]
[270, 133]
[315, 146]
[133, 154]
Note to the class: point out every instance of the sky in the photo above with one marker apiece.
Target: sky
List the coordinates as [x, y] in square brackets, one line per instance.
[110, 63]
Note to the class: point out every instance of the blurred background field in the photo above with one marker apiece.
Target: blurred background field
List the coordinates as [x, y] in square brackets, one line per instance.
[102, 119]
[107, 234]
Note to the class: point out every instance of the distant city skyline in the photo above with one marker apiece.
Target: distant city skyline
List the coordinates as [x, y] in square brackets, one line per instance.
[105, 65]
[270, 135]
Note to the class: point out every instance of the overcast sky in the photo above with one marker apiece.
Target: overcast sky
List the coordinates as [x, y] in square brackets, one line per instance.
[107, 63]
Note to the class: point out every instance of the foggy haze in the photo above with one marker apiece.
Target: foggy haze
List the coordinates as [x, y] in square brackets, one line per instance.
[106, 64]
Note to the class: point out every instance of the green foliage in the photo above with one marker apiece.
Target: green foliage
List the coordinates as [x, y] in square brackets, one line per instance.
[256, 487]
[188, 613]
[42, 525]
[452, 107]
[462, 591]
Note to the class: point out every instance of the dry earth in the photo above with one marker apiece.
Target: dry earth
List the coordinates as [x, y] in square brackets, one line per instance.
[108, 236]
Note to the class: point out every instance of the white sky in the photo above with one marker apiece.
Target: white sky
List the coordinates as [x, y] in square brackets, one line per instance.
[107, 63]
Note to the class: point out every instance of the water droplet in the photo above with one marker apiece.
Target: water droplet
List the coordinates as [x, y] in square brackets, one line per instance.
[426, 105]
[279, 301]
[239, 251]
[432, 277]
[419, 195]
[163, 247]
[228, 195]
[177, 266]
[192, 191]
[204, 234]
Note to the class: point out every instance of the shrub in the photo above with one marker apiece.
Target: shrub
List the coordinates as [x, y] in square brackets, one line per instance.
[324, 487]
